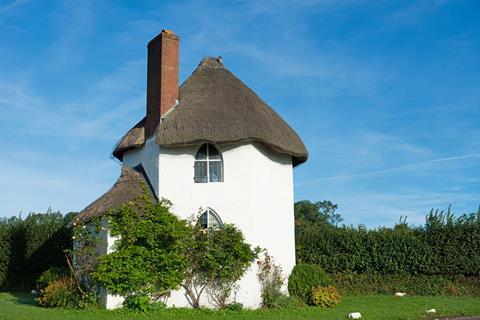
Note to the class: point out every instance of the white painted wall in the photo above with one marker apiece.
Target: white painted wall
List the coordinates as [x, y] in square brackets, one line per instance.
[256, 196]
[148, 155]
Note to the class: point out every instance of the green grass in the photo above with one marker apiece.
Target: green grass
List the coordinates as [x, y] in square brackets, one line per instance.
[21, 306]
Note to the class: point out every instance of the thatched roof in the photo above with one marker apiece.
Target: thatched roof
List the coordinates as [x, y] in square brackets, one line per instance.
[129, 187]
[215, 106]
[134, 138]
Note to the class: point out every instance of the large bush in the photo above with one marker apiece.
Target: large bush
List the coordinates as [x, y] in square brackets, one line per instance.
[149, 254]
[303, 278]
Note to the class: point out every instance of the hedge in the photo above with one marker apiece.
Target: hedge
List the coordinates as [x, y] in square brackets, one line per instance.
[445, 246]
[30, 246]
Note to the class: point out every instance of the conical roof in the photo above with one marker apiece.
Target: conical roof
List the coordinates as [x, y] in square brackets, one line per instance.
[216, 107]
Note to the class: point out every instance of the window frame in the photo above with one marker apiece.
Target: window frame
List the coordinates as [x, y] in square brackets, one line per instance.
[207, 160]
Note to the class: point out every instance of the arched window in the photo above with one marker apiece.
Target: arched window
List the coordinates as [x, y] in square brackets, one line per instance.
[210, 219]
[208, 165]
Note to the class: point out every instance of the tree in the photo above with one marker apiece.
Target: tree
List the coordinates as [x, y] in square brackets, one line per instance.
[216, 259]
[317, 212]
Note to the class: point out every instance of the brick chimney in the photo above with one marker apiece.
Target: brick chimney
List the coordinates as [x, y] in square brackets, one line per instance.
[162, 78]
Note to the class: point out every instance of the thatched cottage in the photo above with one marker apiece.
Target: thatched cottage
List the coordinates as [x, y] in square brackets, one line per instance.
[210, 143]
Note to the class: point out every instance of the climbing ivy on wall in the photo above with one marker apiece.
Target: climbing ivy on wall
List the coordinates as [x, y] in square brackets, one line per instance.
[149, 252]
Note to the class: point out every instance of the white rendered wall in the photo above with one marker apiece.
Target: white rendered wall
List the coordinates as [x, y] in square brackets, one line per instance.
[256, 196]
[148, 155]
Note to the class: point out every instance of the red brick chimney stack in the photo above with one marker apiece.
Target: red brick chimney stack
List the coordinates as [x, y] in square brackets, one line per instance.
[162, 78]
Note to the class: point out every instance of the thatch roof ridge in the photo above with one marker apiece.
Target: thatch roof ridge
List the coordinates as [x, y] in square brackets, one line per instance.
[129, 187]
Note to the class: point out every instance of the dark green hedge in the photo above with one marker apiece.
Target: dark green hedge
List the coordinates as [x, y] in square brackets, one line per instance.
[30, 246]
[445, 245]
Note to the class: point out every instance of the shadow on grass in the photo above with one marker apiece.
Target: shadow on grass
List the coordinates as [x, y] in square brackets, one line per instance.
[24, 298]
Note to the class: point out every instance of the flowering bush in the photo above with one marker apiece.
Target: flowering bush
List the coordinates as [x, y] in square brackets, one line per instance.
[62, 292]
[271, 281]
[325, 296]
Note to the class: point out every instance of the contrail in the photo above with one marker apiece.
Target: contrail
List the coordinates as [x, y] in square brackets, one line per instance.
[408, 166]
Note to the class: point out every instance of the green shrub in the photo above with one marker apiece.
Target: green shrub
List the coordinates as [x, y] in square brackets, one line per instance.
[327, 296]
[303, 278]
[138, 302]
[49, 276]
[60, 293]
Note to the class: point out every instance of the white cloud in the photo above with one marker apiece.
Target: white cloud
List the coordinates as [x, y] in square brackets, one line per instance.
[408, 167]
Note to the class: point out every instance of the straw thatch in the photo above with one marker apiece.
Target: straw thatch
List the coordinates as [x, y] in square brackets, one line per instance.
[215, 106]
[134, 138]
[129, 187]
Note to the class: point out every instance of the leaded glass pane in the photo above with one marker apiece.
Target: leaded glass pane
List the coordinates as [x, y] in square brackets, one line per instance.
[215, 168]
[202, 153]
[200, 172]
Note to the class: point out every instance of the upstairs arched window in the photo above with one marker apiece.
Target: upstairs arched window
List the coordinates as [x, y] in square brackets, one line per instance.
[208, 165]
[210, 219]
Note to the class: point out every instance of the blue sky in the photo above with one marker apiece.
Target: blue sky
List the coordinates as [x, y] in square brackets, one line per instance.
[385, 94]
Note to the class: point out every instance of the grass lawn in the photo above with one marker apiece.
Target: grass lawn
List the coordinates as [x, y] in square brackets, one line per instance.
[21, 306]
